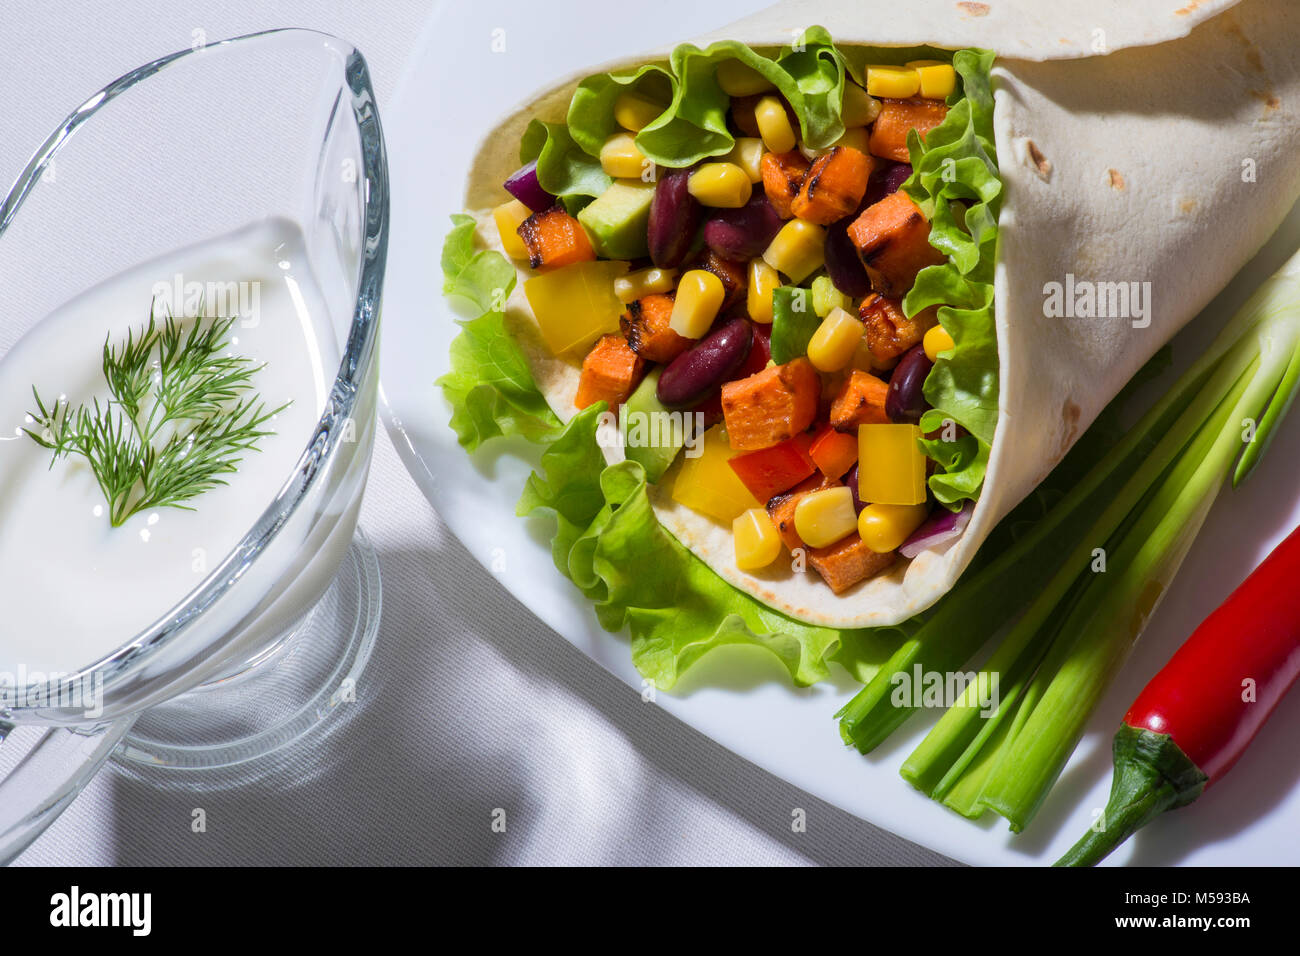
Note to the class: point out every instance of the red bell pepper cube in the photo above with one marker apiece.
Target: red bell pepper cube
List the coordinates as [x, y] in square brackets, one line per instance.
[770, 471]
[834, 452]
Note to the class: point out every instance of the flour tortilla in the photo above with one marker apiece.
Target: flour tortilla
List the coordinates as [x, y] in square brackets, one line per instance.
[1169, 159]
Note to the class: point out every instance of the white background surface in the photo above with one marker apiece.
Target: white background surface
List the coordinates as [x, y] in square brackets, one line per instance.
[469, 704]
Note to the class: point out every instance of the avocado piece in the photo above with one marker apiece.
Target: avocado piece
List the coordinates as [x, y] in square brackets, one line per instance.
[618, 218]
[652, 434]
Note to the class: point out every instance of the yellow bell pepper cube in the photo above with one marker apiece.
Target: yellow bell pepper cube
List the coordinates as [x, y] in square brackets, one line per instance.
[576, 304]
[891, 465]
[707, 483]
[938, 79]
[509, 217]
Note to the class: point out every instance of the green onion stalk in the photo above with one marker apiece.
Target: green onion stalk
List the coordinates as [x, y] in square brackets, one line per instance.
[1143, 504]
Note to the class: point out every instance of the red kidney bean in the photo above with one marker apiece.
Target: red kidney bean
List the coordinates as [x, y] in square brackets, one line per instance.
[696, 372]
[851, 480]
[842, 262]
[741, 234]
[674, 219]
[906, 402]
[885, 181]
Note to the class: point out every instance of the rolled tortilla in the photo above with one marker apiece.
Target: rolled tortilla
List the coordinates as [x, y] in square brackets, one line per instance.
[1167, 159]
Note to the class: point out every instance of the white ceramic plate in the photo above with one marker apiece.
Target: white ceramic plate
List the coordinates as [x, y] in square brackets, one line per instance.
[472, 64]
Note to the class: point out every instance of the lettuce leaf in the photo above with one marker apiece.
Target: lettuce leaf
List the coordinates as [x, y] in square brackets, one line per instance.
[693, 125]
[955, 181]
[607, 538]
[563, 168]
[609, 543]
[490, 386]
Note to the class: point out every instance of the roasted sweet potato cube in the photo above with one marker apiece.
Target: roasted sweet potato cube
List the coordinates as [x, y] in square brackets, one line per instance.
[889, 132]
[734, 277]
[892, 238]
[645, 326]
[772, 405]
[890, 333]
[553, 238]
[860, 401]
[846, 562]
[783, 176]
[834, 186]
[610, 373]
[781, 507]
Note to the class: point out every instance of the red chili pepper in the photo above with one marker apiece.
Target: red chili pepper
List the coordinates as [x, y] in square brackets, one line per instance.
[1199, 714]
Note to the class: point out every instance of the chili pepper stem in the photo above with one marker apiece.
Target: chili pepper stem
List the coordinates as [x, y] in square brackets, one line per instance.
[1152, 775]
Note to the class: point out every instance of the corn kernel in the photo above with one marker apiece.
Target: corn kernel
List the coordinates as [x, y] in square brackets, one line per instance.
[620, 158]
[699, 297]
[509, 217]
[635, 112]
[638, 285]
[763, 281]
[893, 465]
[826, 298]
[774, 125]
[895, 82]
[756, 540]
[938, 79]
[856, 137]
[859, 108]
[937, 340]
[884, 527]
[748, 155]
[721, 185]
[824, 517]
[836, 339]
[739, 79]
[798, 250]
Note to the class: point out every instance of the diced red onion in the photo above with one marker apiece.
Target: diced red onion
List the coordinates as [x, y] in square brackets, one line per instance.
[523, 185]
[943, 525]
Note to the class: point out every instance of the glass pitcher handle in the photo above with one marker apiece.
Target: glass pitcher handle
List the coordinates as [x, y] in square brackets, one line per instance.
[49, 778]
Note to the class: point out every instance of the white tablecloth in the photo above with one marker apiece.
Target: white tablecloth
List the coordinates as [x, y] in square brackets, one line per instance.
[468, 704]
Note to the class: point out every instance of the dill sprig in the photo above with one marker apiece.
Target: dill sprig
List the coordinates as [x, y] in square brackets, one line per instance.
[181, 416]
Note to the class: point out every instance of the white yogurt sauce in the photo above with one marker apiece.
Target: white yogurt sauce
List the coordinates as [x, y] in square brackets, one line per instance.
[72, 587]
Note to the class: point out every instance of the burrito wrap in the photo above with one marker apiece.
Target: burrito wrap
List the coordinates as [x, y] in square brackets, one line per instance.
[1186, 103]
